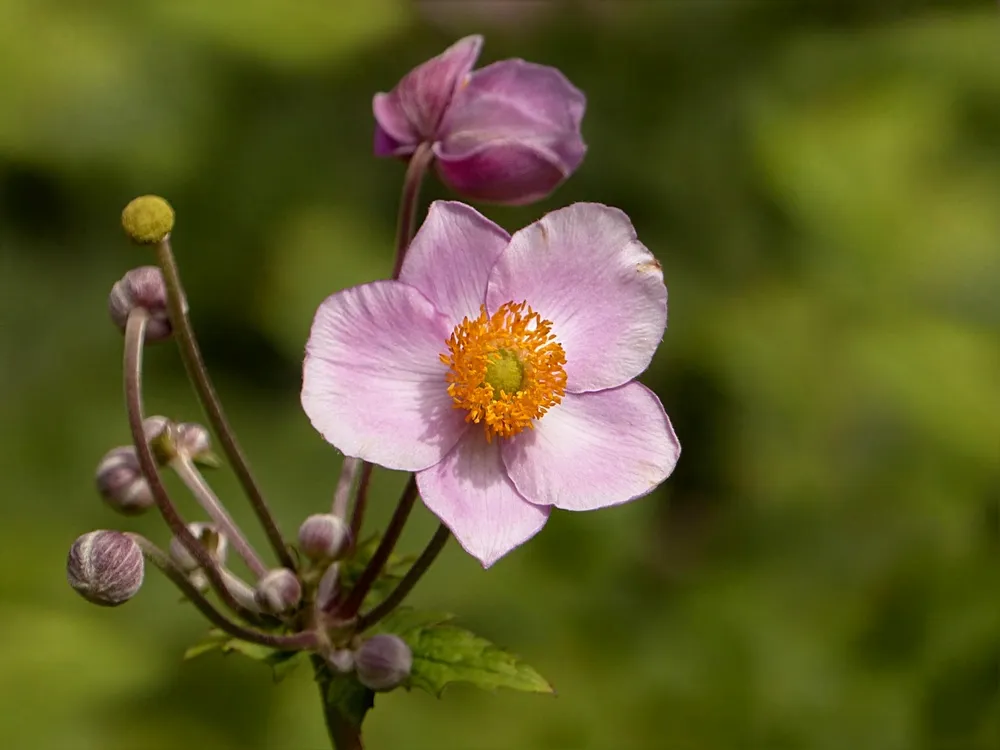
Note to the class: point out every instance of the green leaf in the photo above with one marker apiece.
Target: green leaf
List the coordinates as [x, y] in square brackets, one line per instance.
[403, 620]
[350, 697]
[281, 662]
[443, 654]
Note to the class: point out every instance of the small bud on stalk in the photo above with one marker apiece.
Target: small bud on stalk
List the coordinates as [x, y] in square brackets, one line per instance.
[209, 537]
[121, 483]
[342, 660]
[144, 288]
[148, 219]
[279, 591]
[323, 537]
[105, 567]
[383, 662]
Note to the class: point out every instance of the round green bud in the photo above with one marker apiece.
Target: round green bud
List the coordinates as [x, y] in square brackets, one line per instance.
[148, 219]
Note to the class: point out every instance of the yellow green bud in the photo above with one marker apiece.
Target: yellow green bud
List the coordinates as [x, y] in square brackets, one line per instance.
[148, 219]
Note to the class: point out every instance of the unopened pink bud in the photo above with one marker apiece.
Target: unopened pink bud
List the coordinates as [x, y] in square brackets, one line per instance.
[209, 537]
[279, 591]
[323, 537]
[144, 288]
[383, 662]
[121, 482]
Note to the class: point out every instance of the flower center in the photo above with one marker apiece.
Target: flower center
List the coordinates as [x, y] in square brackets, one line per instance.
[506, 369]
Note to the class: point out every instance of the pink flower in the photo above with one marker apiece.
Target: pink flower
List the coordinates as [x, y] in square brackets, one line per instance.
[507, 133]
[501, 369]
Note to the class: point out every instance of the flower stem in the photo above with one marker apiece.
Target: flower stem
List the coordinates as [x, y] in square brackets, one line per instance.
[408, 202]
[184, 467]
[345, 484]
[161, 560]
[135, 335]
[414, 574]
[195, 365]
[373, 569]
[344, 733]
[405, 228]
[360, 502]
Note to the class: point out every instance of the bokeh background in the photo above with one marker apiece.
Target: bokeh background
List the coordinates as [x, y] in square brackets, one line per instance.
[821, 182]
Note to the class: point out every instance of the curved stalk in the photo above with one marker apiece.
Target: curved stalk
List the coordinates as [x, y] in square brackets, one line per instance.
[296, 642]
[135, 335]
[184, 467]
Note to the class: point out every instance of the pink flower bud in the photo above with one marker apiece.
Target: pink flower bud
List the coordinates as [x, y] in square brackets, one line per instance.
[323, 537]
[279, 591]
[209, 537]
[105, 567]
[383, 662]
[121, 483]
[142, 287]
[507, 133]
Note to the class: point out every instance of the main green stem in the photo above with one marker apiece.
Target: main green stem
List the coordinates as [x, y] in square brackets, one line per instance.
[198, 373]
[344, 733]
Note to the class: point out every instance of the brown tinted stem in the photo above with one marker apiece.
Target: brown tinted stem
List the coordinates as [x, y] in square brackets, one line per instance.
[414, 574]
[198, 374]
[373, 569]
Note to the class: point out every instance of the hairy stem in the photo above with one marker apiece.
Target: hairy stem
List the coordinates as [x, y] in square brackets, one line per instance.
[296, 642]
[197, 372]
[184, 467]
[135, 335]
[414, 574]
[370, 574]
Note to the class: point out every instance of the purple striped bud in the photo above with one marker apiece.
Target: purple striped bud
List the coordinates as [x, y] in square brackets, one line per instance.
[105, 567]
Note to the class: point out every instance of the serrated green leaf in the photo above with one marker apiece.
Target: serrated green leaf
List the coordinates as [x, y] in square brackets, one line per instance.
[443, 654]
[406, 619]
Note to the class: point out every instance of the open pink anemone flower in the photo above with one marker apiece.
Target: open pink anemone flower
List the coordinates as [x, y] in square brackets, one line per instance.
[506, 133]
[501, 370]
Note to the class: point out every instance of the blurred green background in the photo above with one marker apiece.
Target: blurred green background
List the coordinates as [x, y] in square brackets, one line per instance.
[821, 181]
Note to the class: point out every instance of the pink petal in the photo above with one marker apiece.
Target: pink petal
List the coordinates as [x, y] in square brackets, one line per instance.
[451, 256]
[412, 111]
[512, 173]
[512, 134]
[386, 145]
[594, 450]
[472, 495]
[373, 384]
[582, 268]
